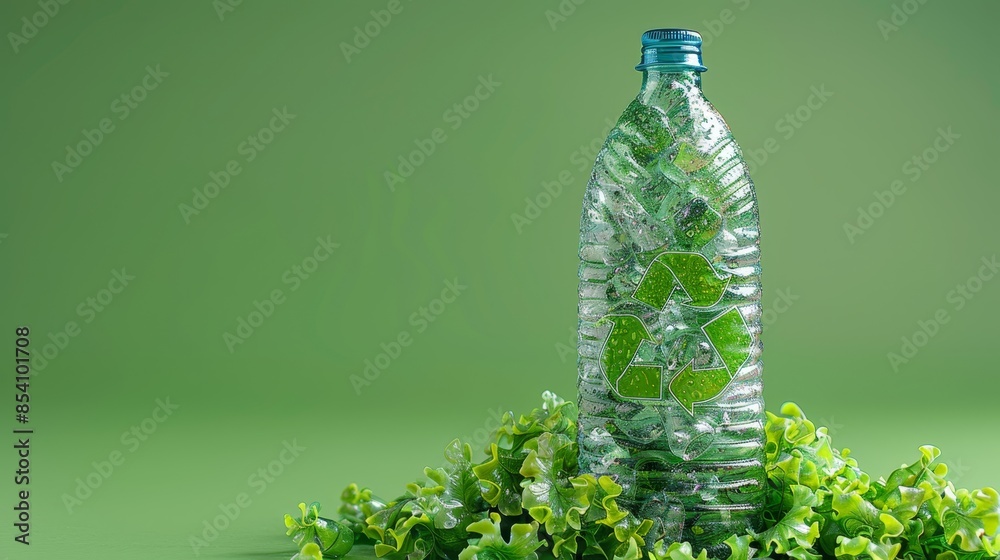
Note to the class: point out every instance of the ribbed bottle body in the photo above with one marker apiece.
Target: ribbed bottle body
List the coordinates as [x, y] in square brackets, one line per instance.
[669, 334]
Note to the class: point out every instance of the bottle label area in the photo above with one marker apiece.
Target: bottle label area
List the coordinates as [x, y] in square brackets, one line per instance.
[687, 279]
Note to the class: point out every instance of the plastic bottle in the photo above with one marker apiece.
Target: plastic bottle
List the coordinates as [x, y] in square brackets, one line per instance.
[669, 336]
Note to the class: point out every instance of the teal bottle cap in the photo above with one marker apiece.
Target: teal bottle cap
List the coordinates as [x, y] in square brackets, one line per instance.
[677, 49]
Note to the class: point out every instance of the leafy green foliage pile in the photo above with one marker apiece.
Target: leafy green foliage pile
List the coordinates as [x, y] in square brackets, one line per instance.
[529, 498]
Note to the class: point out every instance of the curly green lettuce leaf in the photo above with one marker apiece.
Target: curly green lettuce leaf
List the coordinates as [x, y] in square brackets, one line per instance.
[602, 542]
[400, 532]
[552, 495]
[630, 552]
[970, 519]
[387, 518]
[566, 545]
[310, 551]
[454, 500]
[925, 471]
[430, 519]
[630, 532]
[863, 547]
[499, 475]
[604, 509]
[799, 469]
[596, 534]
[904, 503]
[799, 453]
[358, 504]
[676, 551]
[451, 499]
[607, 531]
[856, 516]
[331, 537]
[556, 416]
[500, 479]
[740, 547]
[796, 532]
[491, 545]
[409, 537]
[783, 433]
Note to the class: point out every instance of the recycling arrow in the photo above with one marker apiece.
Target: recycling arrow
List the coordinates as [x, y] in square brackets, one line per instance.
[730, 338]
[691, 272]
[628, 333]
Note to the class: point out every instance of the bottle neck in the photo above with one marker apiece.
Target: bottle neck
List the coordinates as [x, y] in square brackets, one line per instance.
[658, 80]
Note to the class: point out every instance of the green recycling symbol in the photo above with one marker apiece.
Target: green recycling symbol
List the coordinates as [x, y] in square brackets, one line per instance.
[727, 332]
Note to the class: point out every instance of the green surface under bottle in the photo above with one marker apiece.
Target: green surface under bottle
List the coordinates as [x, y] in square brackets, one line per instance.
[669, 350]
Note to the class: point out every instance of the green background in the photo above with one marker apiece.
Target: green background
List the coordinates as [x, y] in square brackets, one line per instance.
[505, 338]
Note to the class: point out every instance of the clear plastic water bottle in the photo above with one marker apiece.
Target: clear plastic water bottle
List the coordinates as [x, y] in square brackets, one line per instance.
[669, 336]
